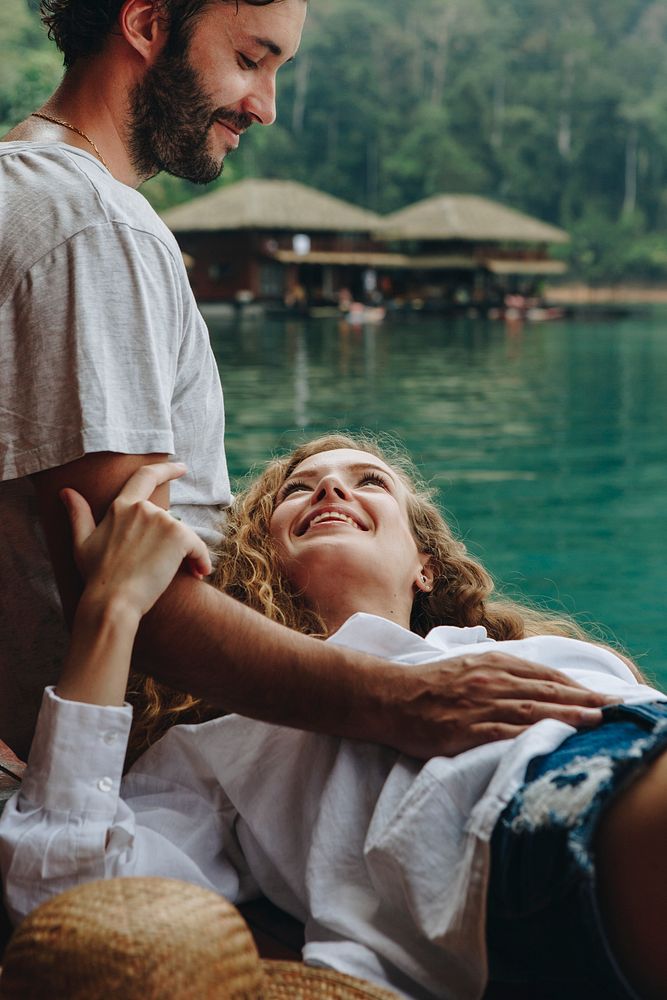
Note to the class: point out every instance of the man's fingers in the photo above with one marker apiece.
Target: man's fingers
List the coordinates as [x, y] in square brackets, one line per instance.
[144, 482]
[510, 725]
[492, 732]
[516, 720]
[523, 712]
[517, 667]
[550, 691]
[80, 515]
[497, 675]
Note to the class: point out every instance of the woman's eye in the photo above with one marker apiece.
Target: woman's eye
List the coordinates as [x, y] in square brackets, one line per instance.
[374, 479]
[293, 487]
[247, 61]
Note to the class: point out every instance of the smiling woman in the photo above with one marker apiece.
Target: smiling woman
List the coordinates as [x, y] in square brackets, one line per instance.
[517, 860]
[408, 566]
[267, 556]
[343, 534]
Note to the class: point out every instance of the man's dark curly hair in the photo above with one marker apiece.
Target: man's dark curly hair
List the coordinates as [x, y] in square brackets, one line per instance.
[80, 27]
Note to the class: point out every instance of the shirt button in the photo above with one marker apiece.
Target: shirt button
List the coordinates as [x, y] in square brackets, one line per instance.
[110, 737]
[105, 784]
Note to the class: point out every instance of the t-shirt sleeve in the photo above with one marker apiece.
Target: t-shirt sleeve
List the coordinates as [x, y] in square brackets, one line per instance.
[91, 337]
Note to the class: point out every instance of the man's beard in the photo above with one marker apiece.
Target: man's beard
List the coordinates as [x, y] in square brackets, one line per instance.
[170, 121]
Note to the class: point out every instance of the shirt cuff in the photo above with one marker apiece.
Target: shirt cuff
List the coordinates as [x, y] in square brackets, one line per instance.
[77, 755]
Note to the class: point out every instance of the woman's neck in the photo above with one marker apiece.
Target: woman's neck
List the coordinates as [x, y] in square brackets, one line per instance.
[336, 607]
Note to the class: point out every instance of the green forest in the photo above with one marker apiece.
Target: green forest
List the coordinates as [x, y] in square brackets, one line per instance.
[555, 107]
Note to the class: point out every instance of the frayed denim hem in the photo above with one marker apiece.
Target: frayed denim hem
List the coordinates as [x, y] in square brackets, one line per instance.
[544, 926]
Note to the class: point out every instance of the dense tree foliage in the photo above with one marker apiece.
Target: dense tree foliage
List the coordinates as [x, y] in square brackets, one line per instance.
[559, 109]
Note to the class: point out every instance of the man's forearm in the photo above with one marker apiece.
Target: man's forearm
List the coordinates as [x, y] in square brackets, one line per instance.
[210, 645]
[201, 641]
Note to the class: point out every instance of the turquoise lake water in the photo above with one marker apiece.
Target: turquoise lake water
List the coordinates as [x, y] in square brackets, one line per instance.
[548, 446]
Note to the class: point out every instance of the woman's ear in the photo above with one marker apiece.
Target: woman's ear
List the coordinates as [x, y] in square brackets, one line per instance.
[142, 27]
[424, 580]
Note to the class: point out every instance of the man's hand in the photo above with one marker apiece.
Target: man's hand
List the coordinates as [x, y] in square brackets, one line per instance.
[449, 706]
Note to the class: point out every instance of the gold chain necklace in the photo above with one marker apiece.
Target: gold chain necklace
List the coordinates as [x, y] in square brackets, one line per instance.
[73, 128]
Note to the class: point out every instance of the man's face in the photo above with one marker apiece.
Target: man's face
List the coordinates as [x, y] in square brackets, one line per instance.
[194, 102]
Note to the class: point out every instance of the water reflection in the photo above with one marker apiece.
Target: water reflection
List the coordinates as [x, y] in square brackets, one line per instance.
[301, 379]
[547, 445]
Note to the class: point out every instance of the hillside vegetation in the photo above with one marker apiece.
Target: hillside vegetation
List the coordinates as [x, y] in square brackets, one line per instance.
[556, 108]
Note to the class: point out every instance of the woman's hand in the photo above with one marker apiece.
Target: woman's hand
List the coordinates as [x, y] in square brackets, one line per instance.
[136, 550]
[127, 561]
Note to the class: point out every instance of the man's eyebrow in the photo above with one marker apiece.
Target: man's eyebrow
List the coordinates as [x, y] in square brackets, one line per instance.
[266, 43]
[273, 47]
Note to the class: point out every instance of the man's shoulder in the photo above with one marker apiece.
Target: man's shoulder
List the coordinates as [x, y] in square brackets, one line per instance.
[55, 192]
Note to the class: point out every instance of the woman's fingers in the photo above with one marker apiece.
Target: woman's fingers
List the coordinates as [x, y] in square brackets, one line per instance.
[137, 540]
[141, 486]
[159, 530]
[80, 516]
[197, 554]
[144, 482]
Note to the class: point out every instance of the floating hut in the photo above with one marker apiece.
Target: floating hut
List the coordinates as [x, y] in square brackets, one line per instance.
[464, 247]
[282, 242]
[272, 241]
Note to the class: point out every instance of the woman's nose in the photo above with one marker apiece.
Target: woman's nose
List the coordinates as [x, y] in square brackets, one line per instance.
[330, 486]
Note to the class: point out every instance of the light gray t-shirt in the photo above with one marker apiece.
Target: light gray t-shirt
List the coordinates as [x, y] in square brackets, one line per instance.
[102, 348]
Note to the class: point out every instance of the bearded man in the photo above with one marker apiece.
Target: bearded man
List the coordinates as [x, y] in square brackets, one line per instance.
[105, 366]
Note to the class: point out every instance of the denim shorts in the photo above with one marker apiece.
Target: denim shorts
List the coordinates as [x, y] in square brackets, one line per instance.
[545, 934]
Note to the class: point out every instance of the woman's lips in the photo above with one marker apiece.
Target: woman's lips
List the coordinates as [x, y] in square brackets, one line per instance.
[330, 515]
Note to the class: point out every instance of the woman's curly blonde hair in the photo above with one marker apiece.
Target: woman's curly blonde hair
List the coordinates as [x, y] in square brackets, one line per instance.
[249, 566]
[249, 570]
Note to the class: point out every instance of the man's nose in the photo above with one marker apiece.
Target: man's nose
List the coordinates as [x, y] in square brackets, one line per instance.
[261, 103]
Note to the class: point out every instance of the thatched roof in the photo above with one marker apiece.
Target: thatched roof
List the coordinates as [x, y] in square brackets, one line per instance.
[272, 205]
[466, 217]
[371, 258]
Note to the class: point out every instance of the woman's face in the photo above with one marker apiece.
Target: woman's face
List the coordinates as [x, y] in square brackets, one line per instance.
[344, 514]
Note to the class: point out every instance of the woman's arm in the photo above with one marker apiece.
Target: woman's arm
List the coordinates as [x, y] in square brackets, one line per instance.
[68, 823]
[128, 561]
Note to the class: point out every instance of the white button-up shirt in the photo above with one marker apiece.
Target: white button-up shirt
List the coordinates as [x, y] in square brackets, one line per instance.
[384, 858]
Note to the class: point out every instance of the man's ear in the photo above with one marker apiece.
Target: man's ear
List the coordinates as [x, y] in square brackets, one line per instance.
[142, 25]
[425, 576]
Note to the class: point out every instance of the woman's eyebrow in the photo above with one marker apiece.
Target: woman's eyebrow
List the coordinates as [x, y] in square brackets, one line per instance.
[365, 466]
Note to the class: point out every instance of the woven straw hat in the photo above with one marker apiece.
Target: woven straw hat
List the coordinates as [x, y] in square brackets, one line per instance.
[154, 938]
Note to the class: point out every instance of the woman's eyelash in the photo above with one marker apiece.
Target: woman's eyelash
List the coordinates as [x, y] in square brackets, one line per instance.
[291, 487]
[296, 484]
[247, 61]
[373, 477]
